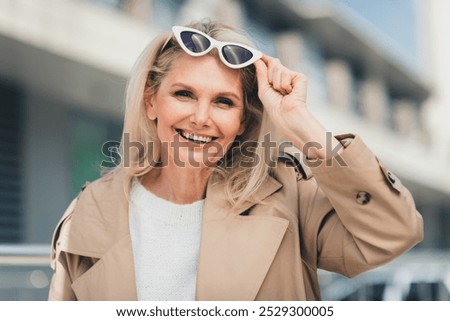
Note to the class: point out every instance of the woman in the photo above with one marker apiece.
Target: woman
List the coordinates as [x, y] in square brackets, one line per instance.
[204, 207]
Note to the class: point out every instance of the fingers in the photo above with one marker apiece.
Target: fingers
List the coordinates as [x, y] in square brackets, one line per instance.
[279, 77]
[262, 76]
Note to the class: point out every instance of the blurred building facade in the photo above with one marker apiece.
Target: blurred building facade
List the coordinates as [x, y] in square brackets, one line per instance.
[63, 71]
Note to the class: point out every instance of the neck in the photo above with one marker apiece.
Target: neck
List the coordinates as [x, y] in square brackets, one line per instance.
[176, 184]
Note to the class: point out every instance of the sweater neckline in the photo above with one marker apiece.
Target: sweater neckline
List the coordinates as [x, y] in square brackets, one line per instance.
[163, 209]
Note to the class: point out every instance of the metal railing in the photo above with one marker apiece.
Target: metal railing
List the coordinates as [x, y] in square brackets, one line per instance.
[25, 272]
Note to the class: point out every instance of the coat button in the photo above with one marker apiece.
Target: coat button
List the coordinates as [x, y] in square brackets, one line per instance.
[363, 198]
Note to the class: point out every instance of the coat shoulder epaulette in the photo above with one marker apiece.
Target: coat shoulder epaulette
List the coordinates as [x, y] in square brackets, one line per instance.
[292, 157]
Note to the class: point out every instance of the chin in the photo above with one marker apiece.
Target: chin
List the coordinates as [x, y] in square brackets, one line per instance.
[196, 159]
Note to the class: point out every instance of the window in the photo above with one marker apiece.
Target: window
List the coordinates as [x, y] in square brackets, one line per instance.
[10, 164]
[88, 134]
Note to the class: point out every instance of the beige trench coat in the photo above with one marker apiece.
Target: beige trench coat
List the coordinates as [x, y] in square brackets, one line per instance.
[346, 219]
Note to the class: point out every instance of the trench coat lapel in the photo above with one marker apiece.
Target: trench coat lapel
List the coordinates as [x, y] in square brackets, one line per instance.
[236, 250]
[112, 278]
[99, 228]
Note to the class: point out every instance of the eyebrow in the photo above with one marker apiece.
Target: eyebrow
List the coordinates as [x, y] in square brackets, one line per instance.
[224, 93]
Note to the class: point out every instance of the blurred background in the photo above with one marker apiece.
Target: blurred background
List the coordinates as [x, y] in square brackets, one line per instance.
[377, 68]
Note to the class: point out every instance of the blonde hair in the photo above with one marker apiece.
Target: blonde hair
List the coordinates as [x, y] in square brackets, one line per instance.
[150, 69]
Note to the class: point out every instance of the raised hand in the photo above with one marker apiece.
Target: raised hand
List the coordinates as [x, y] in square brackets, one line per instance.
[283, 94]
[280, 89]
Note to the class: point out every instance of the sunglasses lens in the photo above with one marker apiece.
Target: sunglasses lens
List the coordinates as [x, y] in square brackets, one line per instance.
[194, 41]
[236, 55]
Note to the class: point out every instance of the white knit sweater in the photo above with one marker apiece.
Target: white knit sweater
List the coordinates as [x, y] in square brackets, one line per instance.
[166, 239]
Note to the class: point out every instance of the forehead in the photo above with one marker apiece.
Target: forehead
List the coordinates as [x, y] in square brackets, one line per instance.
[206, 72]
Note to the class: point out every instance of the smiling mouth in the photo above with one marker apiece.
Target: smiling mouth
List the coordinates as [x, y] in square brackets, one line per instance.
[198, 139]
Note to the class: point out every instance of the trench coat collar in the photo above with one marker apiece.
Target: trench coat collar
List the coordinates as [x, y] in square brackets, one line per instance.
[236, 250]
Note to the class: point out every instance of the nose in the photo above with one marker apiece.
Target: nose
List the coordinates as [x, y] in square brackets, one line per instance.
[200, 117]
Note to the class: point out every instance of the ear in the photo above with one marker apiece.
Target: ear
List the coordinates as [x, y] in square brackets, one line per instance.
[149, 104]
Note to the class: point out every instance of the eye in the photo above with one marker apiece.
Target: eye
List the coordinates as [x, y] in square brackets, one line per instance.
[183, 94]
[224, 101]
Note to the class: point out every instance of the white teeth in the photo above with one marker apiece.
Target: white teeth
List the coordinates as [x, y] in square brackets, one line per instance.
[197, 138]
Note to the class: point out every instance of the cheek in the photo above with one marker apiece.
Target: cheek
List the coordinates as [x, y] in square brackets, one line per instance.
[168, 112]
[231, 125]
